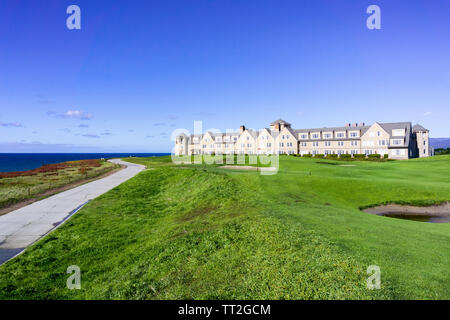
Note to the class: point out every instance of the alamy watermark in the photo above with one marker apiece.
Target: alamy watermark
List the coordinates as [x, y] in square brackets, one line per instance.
[373, 22]
[229, 148]
[374, 280]
[74, 20]
[74, 280]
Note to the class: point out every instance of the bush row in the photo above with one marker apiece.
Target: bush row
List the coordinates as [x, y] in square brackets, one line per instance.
[346, 157]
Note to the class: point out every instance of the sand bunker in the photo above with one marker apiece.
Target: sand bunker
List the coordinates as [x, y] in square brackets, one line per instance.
[434, 214]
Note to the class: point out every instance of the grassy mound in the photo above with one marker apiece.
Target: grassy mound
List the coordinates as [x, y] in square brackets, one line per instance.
[201, 232]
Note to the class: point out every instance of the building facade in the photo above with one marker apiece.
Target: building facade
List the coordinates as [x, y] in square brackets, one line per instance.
[399, 140]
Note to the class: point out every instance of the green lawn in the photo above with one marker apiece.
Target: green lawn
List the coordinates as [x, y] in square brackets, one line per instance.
[203, 232]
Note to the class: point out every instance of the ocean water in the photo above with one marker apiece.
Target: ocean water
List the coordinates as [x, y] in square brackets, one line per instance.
[27, 161]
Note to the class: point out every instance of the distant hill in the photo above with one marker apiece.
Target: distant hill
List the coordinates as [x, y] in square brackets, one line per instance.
[440, 142]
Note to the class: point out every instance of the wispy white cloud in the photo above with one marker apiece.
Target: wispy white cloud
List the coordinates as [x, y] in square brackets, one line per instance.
[428, 113]
[11, 124]
[71, 114]
[106, 132]
[91, 136]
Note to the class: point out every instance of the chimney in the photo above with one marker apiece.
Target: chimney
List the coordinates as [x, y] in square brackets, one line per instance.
[242, 128]
[362, 124]
[355, 124]
[348, 124]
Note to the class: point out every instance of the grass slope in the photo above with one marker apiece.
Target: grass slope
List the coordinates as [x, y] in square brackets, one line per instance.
[203, 232]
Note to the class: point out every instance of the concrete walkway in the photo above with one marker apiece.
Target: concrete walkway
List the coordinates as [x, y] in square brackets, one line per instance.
[24, 226]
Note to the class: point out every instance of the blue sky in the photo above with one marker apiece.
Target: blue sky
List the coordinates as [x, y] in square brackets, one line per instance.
[137, 70]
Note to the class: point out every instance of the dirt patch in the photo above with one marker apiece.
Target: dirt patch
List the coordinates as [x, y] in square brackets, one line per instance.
[197, 212]
[329, 163]
[434, 214]
[52, 192]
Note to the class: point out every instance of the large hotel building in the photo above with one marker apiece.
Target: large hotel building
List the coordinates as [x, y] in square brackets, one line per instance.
[399, 140]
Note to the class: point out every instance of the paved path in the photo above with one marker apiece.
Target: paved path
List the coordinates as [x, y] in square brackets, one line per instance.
[22, 227]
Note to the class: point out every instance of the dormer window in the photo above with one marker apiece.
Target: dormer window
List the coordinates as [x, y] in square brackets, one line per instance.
[398, 132]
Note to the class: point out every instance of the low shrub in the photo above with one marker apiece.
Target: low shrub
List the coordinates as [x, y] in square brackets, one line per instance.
[346, 156]
[53, 168]
[359, 156]
[308, 155]
[332, 156]
[319, 155]
[374, 156]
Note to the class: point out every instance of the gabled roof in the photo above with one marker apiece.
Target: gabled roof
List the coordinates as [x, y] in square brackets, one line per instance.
[272, 134]
[291, 131]
[388, 127]
[417, 127]
[324, 129]
[216, 134]
[232, 134]
[275, 134]
[210, 134]
[266, 130]
[253, 133]
[280, 121]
